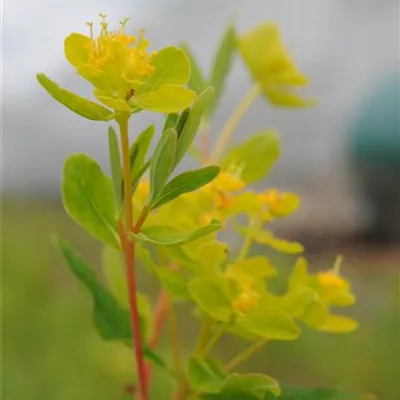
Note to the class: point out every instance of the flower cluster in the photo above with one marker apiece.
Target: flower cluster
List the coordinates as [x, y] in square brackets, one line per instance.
[114, 62]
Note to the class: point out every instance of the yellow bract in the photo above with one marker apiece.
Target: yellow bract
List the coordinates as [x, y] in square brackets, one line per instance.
[263, 52]
[330, 280]
[225, 182]
[279, 204]
[114, 62]
[248, 299]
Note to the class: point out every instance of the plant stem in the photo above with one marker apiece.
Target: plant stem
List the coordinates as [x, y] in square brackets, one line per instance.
[129, 251]
[173, 335]
[253, 227]
[233, 121]
[240, 358]
[214, 340]
[203, 336]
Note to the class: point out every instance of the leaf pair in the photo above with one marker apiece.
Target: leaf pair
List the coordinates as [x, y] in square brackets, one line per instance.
[208, 377]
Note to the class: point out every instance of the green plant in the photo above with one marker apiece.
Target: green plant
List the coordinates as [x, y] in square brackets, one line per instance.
[170, 223]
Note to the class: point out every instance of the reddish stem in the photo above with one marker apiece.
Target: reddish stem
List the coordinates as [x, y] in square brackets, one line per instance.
[129, 252]
[159, 318]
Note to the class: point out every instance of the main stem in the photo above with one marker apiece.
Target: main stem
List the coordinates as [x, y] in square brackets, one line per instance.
[129, 251]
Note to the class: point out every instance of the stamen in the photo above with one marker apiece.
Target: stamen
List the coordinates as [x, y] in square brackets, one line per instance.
[90, 25]
[123, 24]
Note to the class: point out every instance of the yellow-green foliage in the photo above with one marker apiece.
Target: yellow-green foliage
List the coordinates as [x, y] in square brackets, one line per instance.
[173, 223]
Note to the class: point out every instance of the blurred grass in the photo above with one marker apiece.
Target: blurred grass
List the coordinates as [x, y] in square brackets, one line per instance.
[51, 351]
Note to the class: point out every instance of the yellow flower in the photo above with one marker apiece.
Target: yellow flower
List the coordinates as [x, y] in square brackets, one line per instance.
[272, 68]
[143, 190]
[247, 300]
[225, 182]
[113, 62]
[330, 280]
[279, 204]
[221, 189]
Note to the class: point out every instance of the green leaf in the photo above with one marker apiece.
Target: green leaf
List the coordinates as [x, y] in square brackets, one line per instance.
[84, 107]
[141, 172]
[293, 393]
[174, 282]
[257, 267]
[113, 269]
[168, 98]
[182, 121]
[221, 67]
[114, 272]
[196, 81]
[186, 182]
[315, 313]
[299, 277]
[255, 157]
[205, 375]
[211, 298]
[171, 121]
[269, 323]
[172, 67]
[111, 320]
[165, 235]
[192, 124]
[139, 151]
[162, 163]
[112, 101]
[89, 199]
[246, 387]
[115, 164]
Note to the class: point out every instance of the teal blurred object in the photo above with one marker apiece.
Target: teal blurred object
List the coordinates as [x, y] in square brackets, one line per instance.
[375, 154]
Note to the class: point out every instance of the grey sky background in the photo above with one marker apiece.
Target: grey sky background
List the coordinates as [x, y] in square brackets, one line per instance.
[346, 47]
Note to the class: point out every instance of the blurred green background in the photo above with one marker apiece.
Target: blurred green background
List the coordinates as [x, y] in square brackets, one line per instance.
[51, 351]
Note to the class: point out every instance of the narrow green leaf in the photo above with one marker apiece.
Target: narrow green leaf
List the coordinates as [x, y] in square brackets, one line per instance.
[192, 124]
[206, 375]
[208, 294]
[162, 163]
[186, 182]
[115, 164]
[221, 67]
[88, 198]
[165, 235]
[256, 156]
[171, 121]
[84, 107]
[111, 320]
[139, 151]
[141, 172]
[196, 81]
[182, 121]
